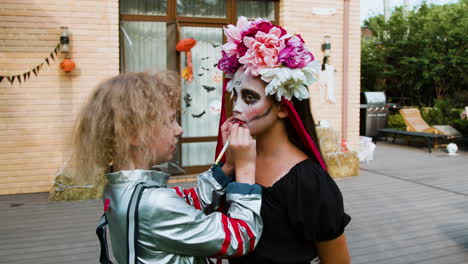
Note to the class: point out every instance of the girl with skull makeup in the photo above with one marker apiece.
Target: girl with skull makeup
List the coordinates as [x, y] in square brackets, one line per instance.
[268, 71]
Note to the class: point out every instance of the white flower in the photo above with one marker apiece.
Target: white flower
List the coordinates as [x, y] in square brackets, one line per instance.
[287, 82]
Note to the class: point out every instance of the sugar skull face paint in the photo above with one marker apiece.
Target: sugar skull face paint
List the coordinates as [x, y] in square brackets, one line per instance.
[251, 105]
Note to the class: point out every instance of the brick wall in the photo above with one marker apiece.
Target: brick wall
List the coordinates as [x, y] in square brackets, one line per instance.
[36, 116]
[297, 16]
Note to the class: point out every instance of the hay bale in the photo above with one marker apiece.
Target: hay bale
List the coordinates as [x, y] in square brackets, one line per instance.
[342, 164]
[328, 140]
[64, 188]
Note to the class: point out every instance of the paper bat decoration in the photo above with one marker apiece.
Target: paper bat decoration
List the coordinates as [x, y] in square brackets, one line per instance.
[188, 100]
[199, 115]
[209, 88]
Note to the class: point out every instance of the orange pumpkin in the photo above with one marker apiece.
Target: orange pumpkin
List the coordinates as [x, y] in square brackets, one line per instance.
[67, 65]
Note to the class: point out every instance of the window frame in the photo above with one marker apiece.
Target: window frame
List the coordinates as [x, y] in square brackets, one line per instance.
[184, 21]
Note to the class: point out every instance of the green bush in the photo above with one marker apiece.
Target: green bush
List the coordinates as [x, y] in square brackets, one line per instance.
[396, 121]
[443, 113]
[461, 125]
[418, 55]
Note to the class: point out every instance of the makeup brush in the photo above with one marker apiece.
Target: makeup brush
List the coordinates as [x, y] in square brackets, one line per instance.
[222, 152]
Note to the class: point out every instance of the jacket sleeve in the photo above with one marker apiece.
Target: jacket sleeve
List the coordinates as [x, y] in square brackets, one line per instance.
[173, 226]
[211, 185]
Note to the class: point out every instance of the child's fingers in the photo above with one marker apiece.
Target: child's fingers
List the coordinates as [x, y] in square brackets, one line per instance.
[225, 128]
[241, 135]
[233, 133]
[245, 134]
[226, 123]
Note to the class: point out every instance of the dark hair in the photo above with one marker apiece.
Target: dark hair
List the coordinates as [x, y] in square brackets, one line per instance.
[325, 60]
[303, 109]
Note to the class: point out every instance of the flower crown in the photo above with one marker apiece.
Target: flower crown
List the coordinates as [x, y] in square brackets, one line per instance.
[281, 59]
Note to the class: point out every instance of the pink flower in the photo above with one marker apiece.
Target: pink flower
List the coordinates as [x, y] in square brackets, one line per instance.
[262, 51]
[234, 33]
[230, 48]
[261, 25]
[241, 49]
[293, 52]
[228, 64]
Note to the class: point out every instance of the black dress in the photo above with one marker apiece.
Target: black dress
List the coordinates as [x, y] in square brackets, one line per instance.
[303, 207]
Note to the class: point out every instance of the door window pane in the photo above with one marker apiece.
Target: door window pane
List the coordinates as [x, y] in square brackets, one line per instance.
[202, 8]
[143, 7]
[201, 98]
[256, 8]
[196, 154]
[144, 46]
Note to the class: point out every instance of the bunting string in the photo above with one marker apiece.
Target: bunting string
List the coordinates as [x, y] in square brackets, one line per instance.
[23, 77]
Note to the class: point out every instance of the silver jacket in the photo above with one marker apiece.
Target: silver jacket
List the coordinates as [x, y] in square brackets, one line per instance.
[182, 226]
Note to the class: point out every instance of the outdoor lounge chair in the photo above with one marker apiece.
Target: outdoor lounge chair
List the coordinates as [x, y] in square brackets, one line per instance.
[414, 122]
[417, 127]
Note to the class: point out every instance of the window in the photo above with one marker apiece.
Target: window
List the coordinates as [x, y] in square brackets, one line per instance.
[149, 31]
[202, 8]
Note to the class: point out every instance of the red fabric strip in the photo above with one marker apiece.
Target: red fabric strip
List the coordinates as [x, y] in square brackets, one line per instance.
[106, 205]
[187, 198]
[177, 189]
[250, 233]
[305, 137]
[235, 226]
[227, 239]
[196, 201]
[222, 119]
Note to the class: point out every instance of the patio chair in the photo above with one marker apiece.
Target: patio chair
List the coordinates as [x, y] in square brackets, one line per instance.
[414, 122]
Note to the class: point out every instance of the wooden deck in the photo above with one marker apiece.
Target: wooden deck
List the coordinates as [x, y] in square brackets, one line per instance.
[407, 206]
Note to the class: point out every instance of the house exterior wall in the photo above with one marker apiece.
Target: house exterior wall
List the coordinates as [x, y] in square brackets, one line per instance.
[298, 16]
[37, 115]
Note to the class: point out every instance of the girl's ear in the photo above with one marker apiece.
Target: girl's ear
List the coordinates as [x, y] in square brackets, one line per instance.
[283, 112]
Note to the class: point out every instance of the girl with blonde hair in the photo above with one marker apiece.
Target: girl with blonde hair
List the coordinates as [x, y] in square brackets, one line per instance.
[128, 125]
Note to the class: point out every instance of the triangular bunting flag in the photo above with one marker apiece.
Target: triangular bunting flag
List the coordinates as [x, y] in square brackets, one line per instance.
[35, 70]
[11, 79]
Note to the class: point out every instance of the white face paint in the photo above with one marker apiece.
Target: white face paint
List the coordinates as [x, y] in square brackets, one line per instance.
[251, 105]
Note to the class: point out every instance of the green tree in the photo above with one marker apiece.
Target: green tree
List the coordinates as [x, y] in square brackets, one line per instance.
[420, 56]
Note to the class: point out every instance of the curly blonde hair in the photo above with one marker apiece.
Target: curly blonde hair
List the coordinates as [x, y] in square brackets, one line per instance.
[121, 110]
